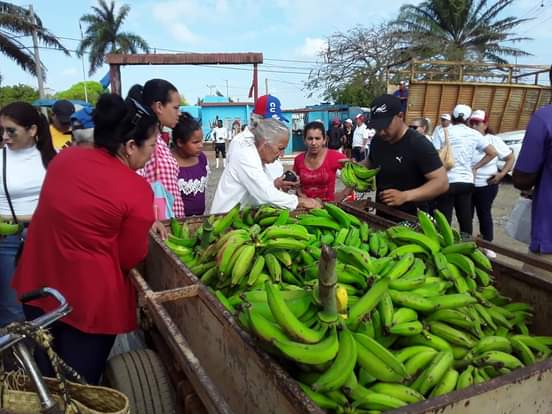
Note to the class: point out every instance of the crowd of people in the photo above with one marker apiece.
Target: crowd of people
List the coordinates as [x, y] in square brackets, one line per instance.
[87, 208]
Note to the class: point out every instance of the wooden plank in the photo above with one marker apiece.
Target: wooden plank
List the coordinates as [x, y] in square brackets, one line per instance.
[495, 84]
[504, 110]
[184, 58]
[521, 108]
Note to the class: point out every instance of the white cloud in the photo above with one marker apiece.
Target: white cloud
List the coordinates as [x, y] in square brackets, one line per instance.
[312, 47]
[174, 17]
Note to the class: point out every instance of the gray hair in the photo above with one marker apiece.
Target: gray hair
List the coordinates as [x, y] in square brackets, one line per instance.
[83, 136]
[267, 129]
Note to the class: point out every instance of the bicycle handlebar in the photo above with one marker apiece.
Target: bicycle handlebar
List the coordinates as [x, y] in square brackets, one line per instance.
[42, 321]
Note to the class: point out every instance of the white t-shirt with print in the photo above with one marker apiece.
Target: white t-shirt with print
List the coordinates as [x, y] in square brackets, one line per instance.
[490, 169]
[465, 142]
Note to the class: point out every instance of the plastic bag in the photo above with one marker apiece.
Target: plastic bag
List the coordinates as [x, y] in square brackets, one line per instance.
[519, 224]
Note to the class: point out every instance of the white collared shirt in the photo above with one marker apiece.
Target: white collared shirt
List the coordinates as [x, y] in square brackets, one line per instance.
[245, 179]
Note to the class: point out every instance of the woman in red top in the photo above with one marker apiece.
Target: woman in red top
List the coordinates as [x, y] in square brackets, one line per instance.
[317, 166]
[89, 229]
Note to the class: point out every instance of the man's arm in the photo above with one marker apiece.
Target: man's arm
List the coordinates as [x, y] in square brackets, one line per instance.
[436, 184]
[509, 164]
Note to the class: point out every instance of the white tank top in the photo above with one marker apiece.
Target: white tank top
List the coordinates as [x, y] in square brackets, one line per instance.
[25, 175]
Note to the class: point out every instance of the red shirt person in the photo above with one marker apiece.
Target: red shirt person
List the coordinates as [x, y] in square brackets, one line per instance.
[317, 167]
[90, 228]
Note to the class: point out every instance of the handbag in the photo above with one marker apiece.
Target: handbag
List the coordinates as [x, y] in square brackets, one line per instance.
[163, 200]
[14, 216]
[518, 226]
[18, 396]
[445, 153]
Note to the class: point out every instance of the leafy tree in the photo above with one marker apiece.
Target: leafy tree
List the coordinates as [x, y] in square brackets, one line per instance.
[103, 34]
[458, 30]
[16, 21]
[19, 92]
[93, 89]
[355, 60]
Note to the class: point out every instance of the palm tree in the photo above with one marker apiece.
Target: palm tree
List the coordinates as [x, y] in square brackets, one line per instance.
[459, 30]
[15, 22]
[103, 34]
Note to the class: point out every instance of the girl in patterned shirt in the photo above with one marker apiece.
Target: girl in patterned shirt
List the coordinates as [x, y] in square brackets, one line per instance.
[193, 168]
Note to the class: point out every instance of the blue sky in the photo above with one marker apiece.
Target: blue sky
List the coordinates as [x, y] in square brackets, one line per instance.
[288, 32]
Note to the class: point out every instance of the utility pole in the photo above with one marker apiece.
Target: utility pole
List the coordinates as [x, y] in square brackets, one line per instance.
[266, 86]
[37, 60]
[227, 94]
[83, 70]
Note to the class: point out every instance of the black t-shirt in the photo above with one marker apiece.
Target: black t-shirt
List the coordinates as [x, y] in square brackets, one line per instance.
[348, 137]
[403, 165]
[335, 135]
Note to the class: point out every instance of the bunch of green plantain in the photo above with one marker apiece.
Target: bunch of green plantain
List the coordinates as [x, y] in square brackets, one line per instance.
[8, 228]
[358, 177]
[419, 313]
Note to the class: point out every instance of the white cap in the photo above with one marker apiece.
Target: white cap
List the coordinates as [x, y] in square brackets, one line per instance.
[402, 82]
[348, 121]
[479, 115]
[462, 112]
[446, 116]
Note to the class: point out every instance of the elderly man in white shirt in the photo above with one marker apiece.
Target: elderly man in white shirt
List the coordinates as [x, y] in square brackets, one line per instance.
[246, 179]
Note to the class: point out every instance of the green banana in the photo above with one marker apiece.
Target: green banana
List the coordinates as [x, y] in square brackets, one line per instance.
[382, 353]
[256, 270]
[481, 260]
[444, 228]
[492, 343]
[320, 222]
[401, 267]
[447, 383]
[452, 335]
[356, 257]
[463, 262]
[374, 366]
[342, 367]
[465, 379]
[403, 315]
[291, 231]
[368, 301]
[287, 320]
[498, 359]
[407, 328]
[427, 226]
[411, 300]
[386, 311]
[319, 399]
[462, 248]
[226, 221]
[452, 301]
[409, 352]
[523, 350]
[311, 354]
[435, 372]
[243, 264]
[377, 401]
[273, 266]
[263, 328]
[402, 392]
[405, 234]
[407, 249]
[407, 283]
[416, 364]
[427, 339]
[285, 243]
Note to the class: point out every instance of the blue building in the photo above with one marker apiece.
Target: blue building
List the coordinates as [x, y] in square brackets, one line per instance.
[213, 108]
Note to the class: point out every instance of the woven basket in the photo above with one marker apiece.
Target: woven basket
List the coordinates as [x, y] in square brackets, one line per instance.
[87, 399]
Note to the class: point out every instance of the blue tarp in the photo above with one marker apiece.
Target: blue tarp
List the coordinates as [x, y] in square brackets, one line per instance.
[50, 102]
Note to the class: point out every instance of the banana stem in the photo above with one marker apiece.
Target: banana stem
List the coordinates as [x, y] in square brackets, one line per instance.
[327, 282]
[206, 235]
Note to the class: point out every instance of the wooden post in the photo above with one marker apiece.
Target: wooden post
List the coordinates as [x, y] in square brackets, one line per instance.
[255, 83]
[327, 281]
[115, 78]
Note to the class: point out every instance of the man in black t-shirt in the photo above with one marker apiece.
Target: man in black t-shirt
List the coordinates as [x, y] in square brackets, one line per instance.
[411, 172]
[335, 135]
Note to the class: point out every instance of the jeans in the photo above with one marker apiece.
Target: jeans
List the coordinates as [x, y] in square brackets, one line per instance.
[358, 154]
[84, 352]
[483, 198]
[459, 198]
[10, 308]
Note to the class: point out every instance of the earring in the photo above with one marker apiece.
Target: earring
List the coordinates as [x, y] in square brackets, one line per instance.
[36, 139]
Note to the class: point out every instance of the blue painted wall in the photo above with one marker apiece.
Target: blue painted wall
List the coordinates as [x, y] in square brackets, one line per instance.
[228, 114]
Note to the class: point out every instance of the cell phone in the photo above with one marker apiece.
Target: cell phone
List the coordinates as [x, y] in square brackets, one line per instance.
[290, 176]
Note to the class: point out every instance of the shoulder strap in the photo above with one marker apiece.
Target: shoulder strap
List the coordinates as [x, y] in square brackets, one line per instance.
[445, 131]
[5, 182]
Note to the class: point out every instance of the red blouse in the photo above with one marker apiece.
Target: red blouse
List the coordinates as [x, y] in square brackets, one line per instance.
[319, 183]
[89, 229]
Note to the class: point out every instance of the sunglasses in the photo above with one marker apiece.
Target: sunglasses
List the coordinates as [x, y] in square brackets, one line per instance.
[12, 132]
[414, 126]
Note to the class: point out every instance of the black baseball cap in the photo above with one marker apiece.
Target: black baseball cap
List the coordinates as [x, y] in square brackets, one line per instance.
[63, 109]
[382, 111]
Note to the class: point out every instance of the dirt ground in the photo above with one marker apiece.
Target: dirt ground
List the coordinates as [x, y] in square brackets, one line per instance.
[502, 206]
